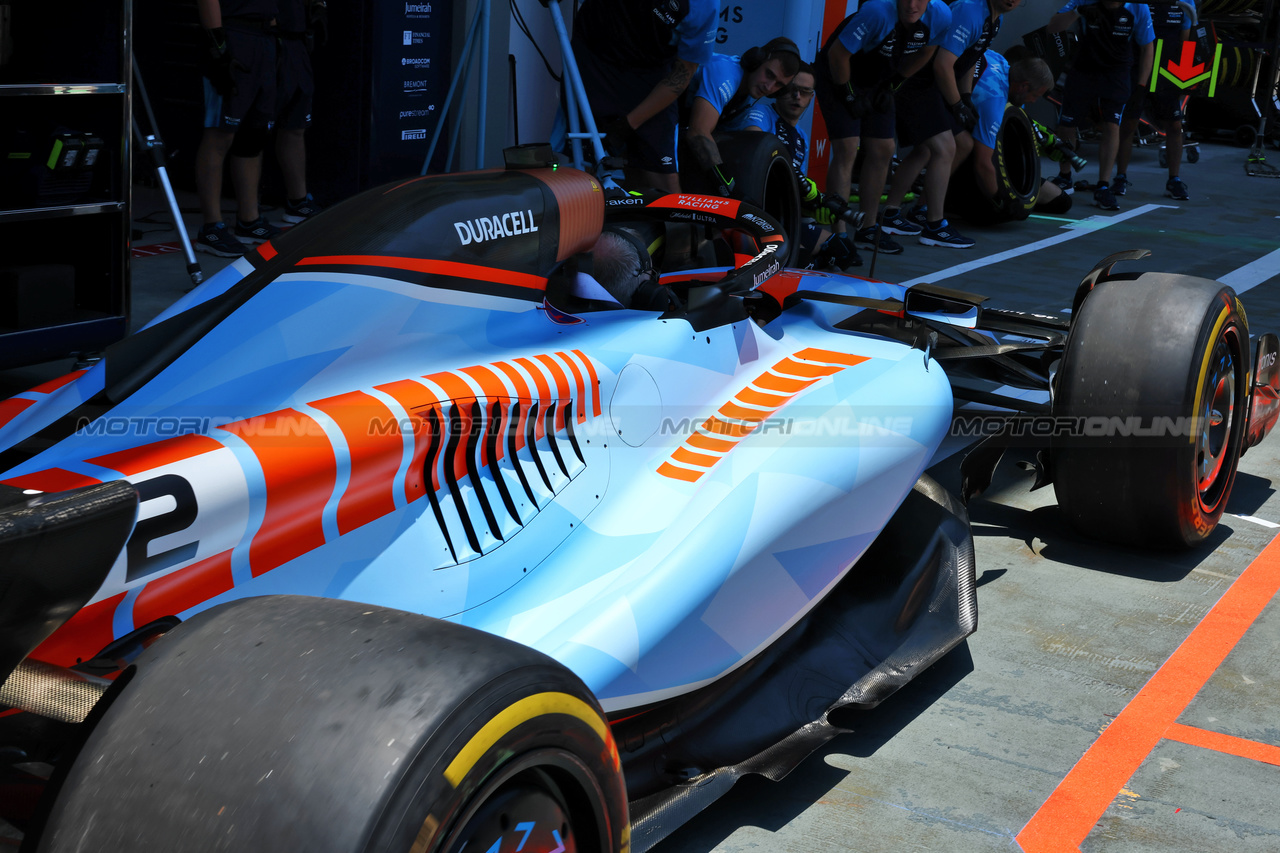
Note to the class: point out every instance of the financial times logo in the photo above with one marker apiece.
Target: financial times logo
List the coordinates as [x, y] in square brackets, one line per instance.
[408, 37]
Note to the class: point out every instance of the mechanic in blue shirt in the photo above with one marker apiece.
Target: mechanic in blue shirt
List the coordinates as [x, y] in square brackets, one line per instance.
[726, 87]
[1101, 76]
[782, 119]
[974, 25]
[998, 85]
[1172, 26]
[857, 72]
[636, 58]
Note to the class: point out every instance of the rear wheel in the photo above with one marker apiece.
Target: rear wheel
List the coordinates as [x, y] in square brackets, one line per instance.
[1154, 385]
[288, 723]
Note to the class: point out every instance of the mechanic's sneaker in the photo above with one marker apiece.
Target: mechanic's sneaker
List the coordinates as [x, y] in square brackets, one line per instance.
[919, 215]
[1176, 189]
[1120, 185]
[302, 211]
[867, 237]
[1063, 182]
[944, 235]
[257, 231]
[1104, 198]
[217, 239]
[896, 223]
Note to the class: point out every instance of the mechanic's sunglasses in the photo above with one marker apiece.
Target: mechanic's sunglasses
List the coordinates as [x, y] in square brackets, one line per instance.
[802, 91]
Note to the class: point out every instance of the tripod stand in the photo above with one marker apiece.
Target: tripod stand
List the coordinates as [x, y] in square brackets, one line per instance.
[153, 144]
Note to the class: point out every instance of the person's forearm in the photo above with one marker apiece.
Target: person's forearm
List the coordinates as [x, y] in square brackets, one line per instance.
[1147, 59]
[704, 149]
[665, 93]
[838, 63]
[944, 71]
[210, 14]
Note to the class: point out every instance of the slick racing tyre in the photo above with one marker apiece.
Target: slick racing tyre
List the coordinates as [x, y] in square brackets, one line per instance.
[292, 723]
[1017, 165]
[1153, 386]
[763, 176]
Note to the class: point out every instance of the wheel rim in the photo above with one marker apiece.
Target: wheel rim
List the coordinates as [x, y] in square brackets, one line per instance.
[1217, 422]
[522, 814]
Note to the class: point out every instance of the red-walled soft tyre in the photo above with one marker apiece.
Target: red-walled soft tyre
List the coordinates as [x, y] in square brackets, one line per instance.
[1154, 389]
[291, 723]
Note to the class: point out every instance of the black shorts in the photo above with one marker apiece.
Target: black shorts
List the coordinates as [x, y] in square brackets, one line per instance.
[254, 102]
[295, 85]
[922, 113]
[841, 125]
[615, 91]
[1164, 104]
[1107, 90]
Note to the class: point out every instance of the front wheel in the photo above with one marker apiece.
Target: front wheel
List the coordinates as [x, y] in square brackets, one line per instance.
[290, 723]
[1150, 405]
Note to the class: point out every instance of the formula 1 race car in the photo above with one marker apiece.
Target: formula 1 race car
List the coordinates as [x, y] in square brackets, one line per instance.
[404, 533]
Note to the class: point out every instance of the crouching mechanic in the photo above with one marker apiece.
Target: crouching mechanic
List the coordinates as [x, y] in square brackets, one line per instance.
[725, 88]
[782, 119]
[999, 84]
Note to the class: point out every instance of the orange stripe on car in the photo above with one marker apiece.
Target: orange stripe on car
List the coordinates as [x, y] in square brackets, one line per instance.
[577, 380]
[782, 384]
[416, 400]
[750, 407]
[453, 269]
[675, 472]
[562, 386]
[10, 409]
[300, 470]
[51, 480]
[595, 381]
[832, 356]
[375, 448]
[54, 384]
[135, 460]
[544, 391]
[89, 630]
[183, 589]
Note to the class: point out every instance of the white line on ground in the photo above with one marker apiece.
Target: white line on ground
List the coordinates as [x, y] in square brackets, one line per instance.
[1254, 273]
[1257, 520]
[1071, 232]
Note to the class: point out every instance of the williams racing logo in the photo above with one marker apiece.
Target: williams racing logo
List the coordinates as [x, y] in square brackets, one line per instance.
[495, 227]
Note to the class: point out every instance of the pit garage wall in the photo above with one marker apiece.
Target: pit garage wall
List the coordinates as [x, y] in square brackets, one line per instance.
[531, 108]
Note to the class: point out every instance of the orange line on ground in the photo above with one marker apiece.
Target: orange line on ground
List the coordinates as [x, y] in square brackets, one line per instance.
[1230, 744]
[1081, 798]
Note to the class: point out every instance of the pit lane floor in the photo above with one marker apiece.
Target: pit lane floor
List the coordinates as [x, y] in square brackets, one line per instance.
[1100, 706]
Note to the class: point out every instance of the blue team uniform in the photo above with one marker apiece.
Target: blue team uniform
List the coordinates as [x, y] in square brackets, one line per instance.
[1101, 72]
[765, 117]
[991, 96]
[625, 48]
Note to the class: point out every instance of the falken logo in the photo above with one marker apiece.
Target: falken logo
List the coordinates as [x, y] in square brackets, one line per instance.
[492, 227]
[764, 226]
[419, 133]
[416, 61]
[627, 200]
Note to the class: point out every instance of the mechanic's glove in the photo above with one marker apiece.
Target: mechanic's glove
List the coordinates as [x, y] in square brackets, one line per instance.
[724, 184]
[619, 136]
[1054, 148]
[856, 102]
[964, 113]
[218, 61]
[833, 209]
[317, 23]
[809, 193]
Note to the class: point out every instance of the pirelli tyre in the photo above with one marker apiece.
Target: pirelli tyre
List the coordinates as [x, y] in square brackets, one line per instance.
[1017, 165]
[1150, 406]
[761, 169]
[291, 723]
